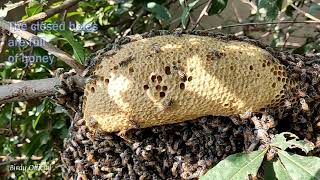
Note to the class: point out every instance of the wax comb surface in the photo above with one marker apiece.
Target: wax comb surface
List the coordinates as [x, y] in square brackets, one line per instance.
[169, 79]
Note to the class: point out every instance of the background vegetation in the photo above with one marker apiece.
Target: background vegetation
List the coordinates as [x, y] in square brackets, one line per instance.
[32, 132]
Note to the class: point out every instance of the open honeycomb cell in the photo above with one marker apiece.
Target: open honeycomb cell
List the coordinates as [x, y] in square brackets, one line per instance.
[183, 78]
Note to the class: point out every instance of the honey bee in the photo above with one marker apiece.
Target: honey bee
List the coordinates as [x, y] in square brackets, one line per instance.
[165, 104]
[182, 75]
[79, 122]
[96, 170]
[155, 48]
[92, 122]
[178, 32]
[304, 104]
[271, 153]
[126, 61]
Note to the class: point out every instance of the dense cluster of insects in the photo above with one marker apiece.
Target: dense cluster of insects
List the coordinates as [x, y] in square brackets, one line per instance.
[189, 149]
[184, 150]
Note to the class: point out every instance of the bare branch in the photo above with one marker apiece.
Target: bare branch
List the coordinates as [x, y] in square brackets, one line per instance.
[47, 46]
[305, 14]
[263, 23]
[29, 90]
[10, 81]
[3, 40]
[203, 12]
[50, 12]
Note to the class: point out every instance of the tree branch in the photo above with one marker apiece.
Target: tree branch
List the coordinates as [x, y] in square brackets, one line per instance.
[263, 23]
[47, 46]
[203, 12]
[305, 14]
[29, 89]
[50, 12]
[3, 41]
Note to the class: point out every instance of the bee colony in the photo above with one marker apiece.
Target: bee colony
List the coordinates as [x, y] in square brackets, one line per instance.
[148, 86]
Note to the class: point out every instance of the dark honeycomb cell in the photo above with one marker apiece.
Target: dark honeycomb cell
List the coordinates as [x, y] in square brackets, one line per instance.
[162, 94]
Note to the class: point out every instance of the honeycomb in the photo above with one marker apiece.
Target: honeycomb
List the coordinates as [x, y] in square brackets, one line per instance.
[170, 79]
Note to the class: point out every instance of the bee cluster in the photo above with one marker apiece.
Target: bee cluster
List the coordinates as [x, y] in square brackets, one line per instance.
[304, 116]
[185, 150]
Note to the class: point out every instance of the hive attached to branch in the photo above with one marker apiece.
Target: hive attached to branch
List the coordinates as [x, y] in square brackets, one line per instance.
[169, 79]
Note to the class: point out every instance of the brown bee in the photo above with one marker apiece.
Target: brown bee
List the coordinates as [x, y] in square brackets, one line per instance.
[96, 170]
[126, 61]
[270, 121]
[271, 153]
[182, 75]
[304, 104]
[165, 104]
[246, 115]
[92, 122]
[155, 48]
[85, 142]
[252, 177]
[78, 121]
[178, 32]
[81, 176]
[90, 157]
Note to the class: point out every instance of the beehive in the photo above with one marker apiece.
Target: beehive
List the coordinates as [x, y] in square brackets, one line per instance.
[169, 79]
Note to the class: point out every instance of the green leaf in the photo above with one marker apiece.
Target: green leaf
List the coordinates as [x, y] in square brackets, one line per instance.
[217, 7]
[192, 4]
[182, 3]
[78, 50]
[185, 17]
[159, 11]
[35, 9]
[314, 8]
[37, 141]
[6, 114]
[186, 12]
[237, 166]
[285, 4]
[58, 124]
[269, 173]
[280, 141]
[63, 133]
[47, 37]
[300, 167]
[40, 110]
[280, 171]
[268, 8]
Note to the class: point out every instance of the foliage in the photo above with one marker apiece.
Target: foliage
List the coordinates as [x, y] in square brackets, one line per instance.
[32, 132]
[285, 166]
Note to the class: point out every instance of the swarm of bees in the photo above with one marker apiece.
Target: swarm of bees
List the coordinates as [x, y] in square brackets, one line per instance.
[187, 150]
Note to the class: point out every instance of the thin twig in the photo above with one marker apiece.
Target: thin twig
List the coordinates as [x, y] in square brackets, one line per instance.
[203, 12]
[263, 23]
[50, 12]
[305, 14]
[287, 35]
[47, 46]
